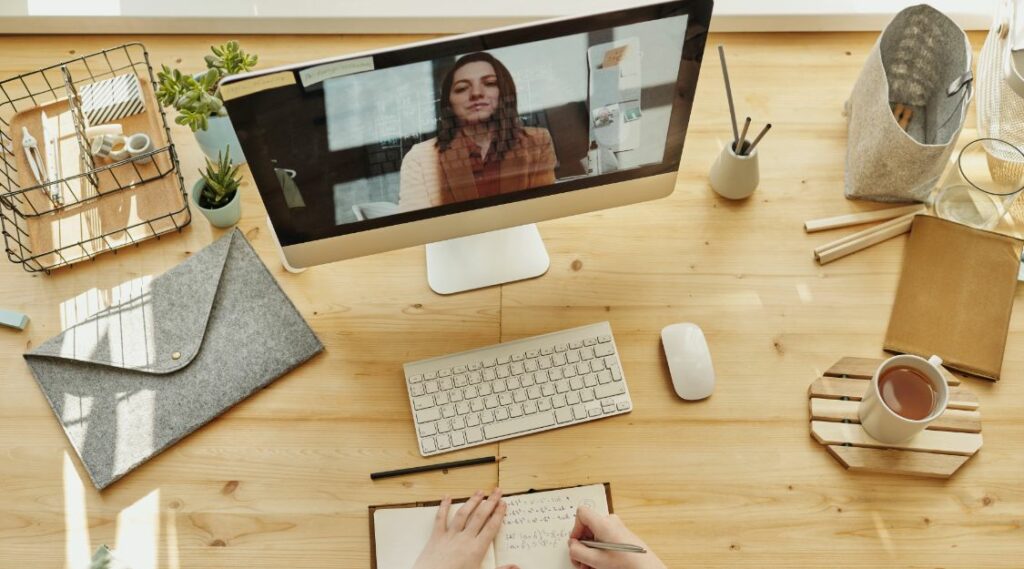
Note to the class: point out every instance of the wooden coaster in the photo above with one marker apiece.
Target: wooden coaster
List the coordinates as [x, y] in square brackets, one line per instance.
[936, 452]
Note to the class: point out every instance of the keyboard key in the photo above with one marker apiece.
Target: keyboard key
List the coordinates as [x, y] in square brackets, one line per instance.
[622, 405]
[416, 378]
[517, 368]
[564, 415]
[461, 380]
[555, 374]
[444, 373]
[587, 354]
[472, 420]
[603, 350]
[489, 375]
[470, 392]
[505, 399]
[458, 423]
[444, 426]
[545, 363]
[441, 398]
[515, 411]
[583, 368]
[530, 407]
[609, 390]
[475, 366]
[498, 386]
[455, 396]
[448, 411]
[546, 351]
[462, 408]
[575, 345]
[616, 372]
[604, 376]
[500, 414]
[431, 386]
[428, 415]
[484, 389]
[590, 380]
[604, 338]
[561, 348]
[579, 412]
[460, 369]
[562, 386]
[423, 402]
[491, 401]
[569, 371]
[547, 390]
[490, 363]
[458, 439]
[528, 380]
[443, 442]
[558, 401]
[590, 342]
[608, 406]
[487, 417]
[503, 372]
[428, 445]
[520, 425]
[594, 411]
[572, 398]
[519, 395]
[504, 359]
[518, 357]
[417, 389]
[597, 364]
[531, 354]
[559, 359]
[573, 357]
[530, 366]
[544, 405]
[476, 405]
[587, 395]
[430, 375]
[576, 383]
[474, 435]
[513, 382]
[475, 377]
[427, 429]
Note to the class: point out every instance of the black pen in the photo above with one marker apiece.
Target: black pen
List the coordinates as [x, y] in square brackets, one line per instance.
[430, 467]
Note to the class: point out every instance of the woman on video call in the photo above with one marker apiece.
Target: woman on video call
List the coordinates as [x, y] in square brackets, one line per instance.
[481, 148]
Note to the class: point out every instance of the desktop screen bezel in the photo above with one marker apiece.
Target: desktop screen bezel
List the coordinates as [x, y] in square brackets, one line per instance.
[698, 14]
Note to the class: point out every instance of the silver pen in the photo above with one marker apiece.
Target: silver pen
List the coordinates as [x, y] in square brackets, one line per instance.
[623, 547]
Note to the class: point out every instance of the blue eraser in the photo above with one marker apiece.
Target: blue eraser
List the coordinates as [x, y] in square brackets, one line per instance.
[12, 319]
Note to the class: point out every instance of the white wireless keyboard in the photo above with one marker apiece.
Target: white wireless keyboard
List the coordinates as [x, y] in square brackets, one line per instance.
[516, 388]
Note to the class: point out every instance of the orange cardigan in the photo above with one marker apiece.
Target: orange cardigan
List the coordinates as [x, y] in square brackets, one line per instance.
[431, 178]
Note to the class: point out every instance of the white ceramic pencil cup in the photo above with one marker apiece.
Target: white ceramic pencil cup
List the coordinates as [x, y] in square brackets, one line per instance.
[735, 177]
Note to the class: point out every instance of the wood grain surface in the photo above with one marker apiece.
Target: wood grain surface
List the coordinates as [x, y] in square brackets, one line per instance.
[732, 481]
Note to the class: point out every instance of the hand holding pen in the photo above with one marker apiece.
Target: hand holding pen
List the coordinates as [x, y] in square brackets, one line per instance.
[611, 544]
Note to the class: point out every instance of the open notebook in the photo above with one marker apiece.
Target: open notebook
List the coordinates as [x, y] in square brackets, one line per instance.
[535, 532]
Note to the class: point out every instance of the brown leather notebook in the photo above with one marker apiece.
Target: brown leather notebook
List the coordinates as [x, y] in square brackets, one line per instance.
[955, 296]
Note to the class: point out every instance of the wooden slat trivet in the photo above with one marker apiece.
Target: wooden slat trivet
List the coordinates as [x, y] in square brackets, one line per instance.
[938, 451]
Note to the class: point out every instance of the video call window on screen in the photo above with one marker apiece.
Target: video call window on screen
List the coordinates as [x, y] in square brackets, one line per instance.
[499, 121]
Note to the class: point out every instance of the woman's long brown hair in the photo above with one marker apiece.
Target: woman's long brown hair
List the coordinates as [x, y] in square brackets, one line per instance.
[505, 118]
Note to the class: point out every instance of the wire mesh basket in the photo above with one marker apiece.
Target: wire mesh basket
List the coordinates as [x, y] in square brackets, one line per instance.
[86, 207]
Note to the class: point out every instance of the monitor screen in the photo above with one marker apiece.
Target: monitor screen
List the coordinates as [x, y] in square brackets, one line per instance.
[363, 142]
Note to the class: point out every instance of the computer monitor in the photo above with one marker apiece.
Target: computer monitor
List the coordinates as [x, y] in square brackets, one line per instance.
[462, 143]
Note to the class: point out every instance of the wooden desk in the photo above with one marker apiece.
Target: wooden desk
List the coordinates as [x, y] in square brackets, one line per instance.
[735, 481]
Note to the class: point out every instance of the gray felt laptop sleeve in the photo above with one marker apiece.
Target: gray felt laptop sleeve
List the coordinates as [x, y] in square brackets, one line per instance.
[169, 355]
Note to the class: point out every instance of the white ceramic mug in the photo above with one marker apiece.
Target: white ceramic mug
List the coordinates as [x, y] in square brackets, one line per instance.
[886, 425]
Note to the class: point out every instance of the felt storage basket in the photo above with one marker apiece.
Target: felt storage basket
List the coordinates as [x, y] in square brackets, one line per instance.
[922, 60]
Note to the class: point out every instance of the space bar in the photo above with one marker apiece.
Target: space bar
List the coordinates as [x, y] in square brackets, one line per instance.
[519, 425]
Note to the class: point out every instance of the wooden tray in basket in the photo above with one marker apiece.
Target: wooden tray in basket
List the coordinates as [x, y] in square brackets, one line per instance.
[938, 451]
[109, 214]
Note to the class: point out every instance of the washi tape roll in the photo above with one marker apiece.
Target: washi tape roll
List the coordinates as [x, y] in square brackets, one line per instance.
[119, 151]
[101, 146]
[101, 129]
[139, 143]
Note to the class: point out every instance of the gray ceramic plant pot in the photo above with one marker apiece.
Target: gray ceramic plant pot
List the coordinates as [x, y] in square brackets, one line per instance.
[220, 134]
[222, 217]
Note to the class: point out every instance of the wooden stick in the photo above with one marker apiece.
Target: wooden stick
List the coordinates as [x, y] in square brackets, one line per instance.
[849, 219]
[898, 226]
[743, 138]
[945, 442]
[861, 234]
[728, 93]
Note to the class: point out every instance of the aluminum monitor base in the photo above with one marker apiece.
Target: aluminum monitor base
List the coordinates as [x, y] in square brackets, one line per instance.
[487, 259]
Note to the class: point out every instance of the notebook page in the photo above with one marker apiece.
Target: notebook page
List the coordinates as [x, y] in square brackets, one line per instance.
[537, 526]
[401, 534]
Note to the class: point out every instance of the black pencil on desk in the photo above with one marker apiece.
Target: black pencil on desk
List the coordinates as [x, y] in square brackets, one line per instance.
[430, 467]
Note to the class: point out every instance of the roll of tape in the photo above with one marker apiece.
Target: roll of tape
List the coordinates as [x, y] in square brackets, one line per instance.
[119, 149]
[139, 143]
[101, 146]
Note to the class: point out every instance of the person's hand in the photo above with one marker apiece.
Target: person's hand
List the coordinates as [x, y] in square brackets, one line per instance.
[591, 525]
[463, 542]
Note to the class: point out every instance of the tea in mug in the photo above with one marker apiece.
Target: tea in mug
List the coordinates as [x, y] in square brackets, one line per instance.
[908, 392]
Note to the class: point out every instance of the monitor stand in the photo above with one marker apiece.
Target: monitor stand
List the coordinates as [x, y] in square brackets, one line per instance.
[280, 251]
[487, 259]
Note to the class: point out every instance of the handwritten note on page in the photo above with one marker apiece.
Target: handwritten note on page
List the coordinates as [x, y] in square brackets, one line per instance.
[537, 526]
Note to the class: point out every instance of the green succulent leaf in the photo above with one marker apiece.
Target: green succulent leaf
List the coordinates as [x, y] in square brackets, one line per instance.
[220, 180]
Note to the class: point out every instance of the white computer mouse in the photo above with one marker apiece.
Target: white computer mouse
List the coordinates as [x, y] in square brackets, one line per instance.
[689, 360]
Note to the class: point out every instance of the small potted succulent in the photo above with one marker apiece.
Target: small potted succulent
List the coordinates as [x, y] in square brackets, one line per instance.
[216, 192]
[197, 98]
